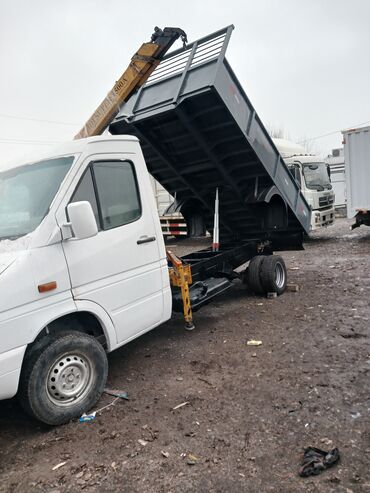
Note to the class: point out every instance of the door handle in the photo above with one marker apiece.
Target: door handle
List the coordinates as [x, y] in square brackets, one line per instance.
[145, 239]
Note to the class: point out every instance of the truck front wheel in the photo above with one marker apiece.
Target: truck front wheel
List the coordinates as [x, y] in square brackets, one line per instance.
[63, 376]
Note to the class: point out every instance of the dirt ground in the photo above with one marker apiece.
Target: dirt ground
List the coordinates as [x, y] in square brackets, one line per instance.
[249, 411]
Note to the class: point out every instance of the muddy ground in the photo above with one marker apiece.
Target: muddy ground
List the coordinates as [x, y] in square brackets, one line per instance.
[250, 410]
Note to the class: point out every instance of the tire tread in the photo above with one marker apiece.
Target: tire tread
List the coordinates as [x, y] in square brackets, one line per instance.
[254, 274]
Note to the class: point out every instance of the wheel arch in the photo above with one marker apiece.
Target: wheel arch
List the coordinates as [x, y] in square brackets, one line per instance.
[192, 210]
[271, 208]
[89, 318]
[277, 212]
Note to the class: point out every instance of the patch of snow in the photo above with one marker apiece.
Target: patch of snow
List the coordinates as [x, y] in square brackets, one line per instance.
[8, 246]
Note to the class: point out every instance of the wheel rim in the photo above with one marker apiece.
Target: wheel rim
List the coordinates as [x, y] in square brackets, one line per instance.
[70, 379]
[279, 275]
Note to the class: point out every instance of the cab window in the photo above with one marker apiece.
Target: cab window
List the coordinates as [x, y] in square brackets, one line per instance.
[112, 190]
[117, 192]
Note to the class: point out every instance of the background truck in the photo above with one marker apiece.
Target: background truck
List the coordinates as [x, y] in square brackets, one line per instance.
[83, 265]
[172, 222]
[357, 163]
[312, 175]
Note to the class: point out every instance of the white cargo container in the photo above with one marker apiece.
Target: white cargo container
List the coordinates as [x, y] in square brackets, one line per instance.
[357, 161]
[338, 177]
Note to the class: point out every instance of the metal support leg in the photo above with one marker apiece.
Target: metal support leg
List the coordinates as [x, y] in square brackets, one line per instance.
[180, 276]
[188, 313]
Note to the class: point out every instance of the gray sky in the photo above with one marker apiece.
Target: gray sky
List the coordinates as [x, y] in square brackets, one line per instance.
[305, 64]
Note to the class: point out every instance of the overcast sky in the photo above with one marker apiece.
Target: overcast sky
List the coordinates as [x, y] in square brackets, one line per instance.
[305, 64]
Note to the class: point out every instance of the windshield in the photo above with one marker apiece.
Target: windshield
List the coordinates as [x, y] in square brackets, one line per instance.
[26, 194]
[316, 176]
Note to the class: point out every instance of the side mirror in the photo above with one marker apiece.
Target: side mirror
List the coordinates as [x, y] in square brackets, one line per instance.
[328, 170]
[82, 220]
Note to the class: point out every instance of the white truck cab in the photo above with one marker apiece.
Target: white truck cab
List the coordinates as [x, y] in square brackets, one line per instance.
[82, 258]
[313, 177]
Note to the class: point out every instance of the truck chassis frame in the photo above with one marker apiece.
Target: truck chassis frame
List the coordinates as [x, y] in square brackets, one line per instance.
[199, 276]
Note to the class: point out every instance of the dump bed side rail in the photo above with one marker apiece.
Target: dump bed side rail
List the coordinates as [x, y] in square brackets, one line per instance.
[199, 130]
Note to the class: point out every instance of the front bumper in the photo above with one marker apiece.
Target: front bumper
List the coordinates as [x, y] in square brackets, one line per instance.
[10, 370]
[322, 218]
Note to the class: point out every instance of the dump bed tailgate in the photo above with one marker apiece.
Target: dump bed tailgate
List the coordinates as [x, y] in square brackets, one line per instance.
[199, 131]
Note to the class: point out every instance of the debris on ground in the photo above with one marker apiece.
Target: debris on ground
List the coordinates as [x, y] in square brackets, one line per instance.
[116, 399]
[165, 454]
[58, 466]
[272, 295]
[117, 393]
[326, 441]
[253, 342]
[91, 416]
[293, 288]
[143, 442]
[87, 417]
[355, 414]
[297, 407]
[315, 461]
[191, 459]
[180, 405]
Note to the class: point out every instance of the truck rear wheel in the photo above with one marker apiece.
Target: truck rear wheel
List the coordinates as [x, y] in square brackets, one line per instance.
[63, 376]
[273, 274]
[253, 274]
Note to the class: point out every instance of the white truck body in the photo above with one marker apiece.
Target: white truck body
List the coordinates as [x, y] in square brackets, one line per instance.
[338, 180]
[338, 177]
[357, 163]
[119, 276]
[315, 182]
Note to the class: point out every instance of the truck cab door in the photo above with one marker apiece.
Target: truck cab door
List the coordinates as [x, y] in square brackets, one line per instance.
[120, 268]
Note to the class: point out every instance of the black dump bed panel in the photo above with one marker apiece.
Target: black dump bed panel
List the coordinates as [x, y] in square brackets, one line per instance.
[199, 131]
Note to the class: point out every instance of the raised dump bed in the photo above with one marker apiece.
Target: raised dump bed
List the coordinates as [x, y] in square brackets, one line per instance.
[199, 131]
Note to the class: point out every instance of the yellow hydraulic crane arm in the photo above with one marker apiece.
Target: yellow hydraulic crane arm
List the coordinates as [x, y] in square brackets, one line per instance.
[142, 64]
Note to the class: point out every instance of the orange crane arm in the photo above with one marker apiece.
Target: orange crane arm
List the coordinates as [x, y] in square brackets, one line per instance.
[142, 64]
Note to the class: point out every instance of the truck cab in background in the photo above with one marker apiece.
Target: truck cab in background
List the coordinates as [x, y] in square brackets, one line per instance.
[313, 176]
[172, 222]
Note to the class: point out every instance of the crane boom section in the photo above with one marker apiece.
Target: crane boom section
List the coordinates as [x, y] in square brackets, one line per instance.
[142, 64]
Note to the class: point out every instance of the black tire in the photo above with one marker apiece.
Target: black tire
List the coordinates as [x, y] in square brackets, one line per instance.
[253, 274]
[63, 376]
[273, 275]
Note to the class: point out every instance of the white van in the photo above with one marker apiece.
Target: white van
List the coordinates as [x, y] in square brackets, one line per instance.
[82, 265]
